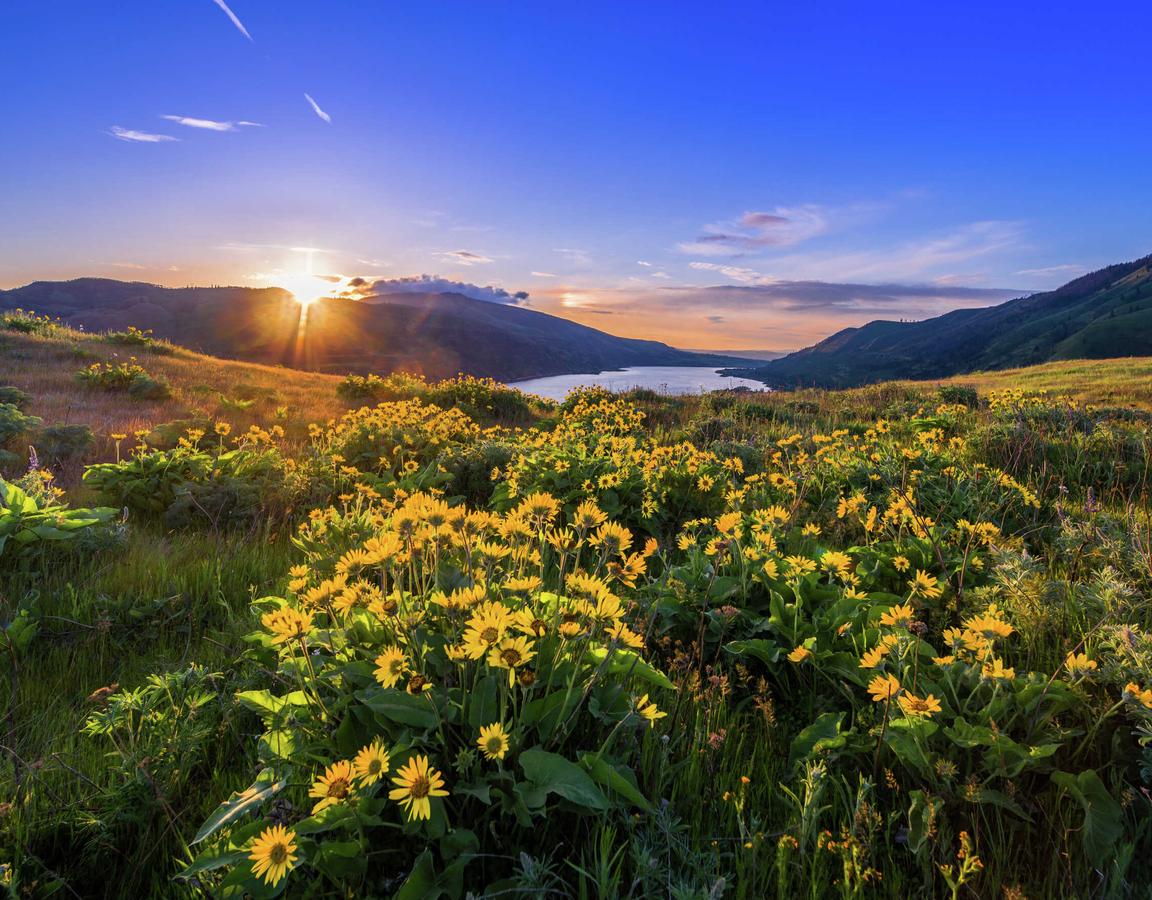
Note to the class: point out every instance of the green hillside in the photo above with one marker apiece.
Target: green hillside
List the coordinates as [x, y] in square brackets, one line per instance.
[1106, 314]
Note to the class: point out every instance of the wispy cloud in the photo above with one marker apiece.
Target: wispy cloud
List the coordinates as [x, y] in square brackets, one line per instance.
[1068, 270]
[465, 257]
[235, 19]
[779, 314]
[736, 273]
[935, 257]
[574, 255]
[316, 109]
[543, 274]
[756, 231]
[139, 137]
[211, 124]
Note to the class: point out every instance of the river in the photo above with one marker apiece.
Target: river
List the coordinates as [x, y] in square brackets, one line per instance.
[663, 379]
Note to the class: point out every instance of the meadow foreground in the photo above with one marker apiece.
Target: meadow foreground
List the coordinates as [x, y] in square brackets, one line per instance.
[379, 637]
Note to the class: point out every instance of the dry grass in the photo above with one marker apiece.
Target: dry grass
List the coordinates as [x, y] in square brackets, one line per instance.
[45, 367]
[1103, 382]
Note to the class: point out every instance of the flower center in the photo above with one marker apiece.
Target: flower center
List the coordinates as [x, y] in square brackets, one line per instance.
[495, 744]
[511, 656]
[278, 854]
[338, 787]
[419, 788]
[490, 635]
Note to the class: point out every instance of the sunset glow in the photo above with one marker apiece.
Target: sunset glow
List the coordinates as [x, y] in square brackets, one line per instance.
[307, 289]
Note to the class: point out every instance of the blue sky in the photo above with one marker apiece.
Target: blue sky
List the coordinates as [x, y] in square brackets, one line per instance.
[676, 170]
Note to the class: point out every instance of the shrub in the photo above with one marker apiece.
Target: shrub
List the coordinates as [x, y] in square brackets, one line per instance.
[514, 709]
[28, 322]
[190, 485]
[61, 445]
[14, 396]
[128, 377]
[134, 337]
[961, 394]
[471, 469]
[14, 422]
[30, 523]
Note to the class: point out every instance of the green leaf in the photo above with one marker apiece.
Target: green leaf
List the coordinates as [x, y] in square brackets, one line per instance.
[327, 819]
[555, 774]
[995, 798]
[767, 652]
[240, 803]
[400, 706]
[483, 703]
[823, 734]
[921, 819]
[1103, 816]
[267, 705]
[626, 662]
[421, 881]
[607, 776]
[211, 860]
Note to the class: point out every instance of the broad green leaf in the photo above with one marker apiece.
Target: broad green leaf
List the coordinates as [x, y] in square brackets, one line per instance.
[483, 703]
[627, 662]
[555, 774]
[823, 734]
[421, 881]
[400, 706]
[1103, 816]
[263, 788]
[767, 652]
[267, 705]
[607, 776]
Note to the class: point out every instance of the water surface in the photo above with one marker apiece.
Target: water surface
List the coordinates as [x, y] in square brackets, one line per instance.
[664, 379]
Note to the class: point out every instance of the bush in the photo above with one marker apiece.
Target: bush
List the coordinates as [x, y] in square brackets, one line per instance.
[30, 524]
[134, 337]
[472, 467]
[536, 706]
[27, 322]
[61, 445]
[961, 394]
[14, 422]
[128, 377]
[13, 396]
[193, 486]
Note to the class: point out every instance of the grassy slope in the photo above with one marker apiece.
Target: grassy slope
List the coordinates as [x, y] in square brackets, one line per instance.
[45, 368]
[1103, 382]
[174, 598]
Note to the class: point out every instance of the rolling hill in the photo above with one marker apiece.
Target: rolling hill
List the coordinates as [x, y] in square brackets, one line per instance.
[434, 334]
[1102, 315]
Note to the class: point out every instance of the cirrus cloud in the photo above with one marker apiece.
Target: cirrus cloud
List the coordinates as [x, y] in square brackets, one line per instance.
[139, 137]
[756, 231]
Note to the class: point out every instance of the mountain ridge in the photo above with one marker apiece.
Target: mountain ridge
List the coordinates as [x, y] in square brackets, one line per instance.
[433, 334]
[1100, 315]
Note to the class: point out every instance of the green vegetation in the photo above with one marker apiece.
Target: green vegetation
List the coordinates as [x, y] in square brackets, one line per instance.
[886, 642]
[1105, 314]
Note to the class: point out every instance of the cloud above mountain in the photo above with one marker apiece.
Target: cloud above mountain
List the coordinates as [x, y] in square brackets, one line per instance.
[362, 288]
[756, 231]
[779, 315]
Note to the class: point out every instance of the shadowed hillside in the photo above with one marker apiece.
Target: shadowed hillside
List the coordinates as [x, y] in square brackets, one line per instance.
[435, 334]
[1105, 314]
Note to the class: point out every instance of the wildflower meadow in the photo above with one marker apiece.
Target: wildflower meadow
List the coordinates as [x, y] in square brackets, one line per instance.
[883, 643]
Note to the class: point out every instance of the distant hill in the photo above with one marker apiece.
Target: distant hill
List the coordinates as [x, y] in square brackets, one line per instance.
[1103, 315]
[434, 334]
[743, 354]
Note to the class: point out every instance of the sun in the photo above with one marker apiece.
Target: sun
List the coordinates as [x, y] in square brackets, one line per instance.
[307, 289]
